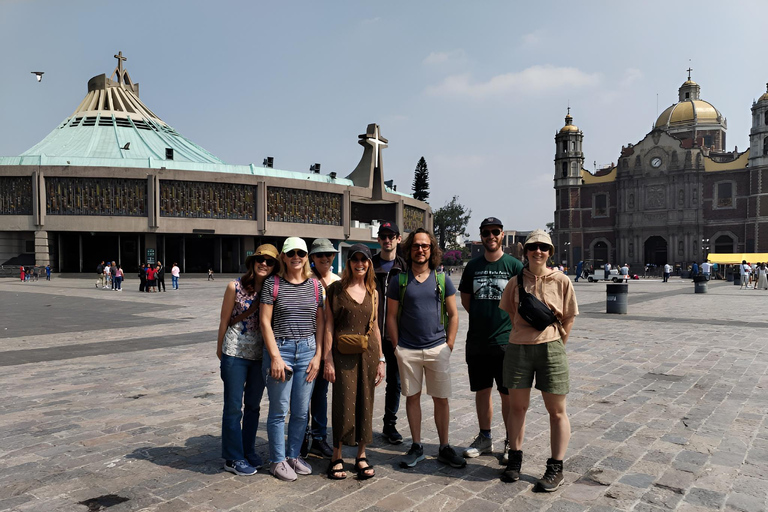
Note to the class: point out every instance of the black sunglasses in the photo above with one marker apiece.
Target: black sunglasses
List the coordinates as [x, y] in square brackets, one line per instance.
[533, 247]
[391, 236]
[294, 252]
[270, 262]
[324, 254]
[358, 259]
[488, 232]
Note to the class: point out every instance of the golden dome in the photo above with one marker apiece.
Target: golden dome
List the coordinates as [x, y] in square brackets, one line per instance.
[688, 112]
[569, 126]
[764, 96]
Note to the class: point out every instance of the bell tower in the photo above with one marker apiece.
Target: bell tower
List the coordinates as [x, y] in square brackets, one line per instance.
[758, 135]
[569, 160]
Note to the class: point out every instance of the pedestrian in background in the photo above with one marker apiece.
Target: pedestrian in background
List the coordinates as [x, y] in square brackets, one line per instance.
[160, 276]
[175, 272]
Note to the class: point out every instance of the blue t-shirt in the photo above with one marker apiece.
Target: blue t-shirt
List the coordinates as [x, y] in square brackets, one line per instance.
[420, 327]
[386, 266]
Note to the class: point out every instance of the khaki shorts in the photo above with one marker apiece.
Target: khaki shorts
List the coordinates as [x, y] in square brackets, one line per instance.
[546, 361]
[432, 362]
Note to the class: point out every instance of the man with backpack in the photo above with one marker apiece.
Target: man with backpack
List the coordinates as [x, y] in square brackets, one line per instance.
[422, 322]
[387, 264]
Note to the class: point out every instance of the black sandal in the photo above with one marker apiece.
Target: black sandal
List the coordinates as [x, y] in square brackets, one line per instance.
[361, 472]
[334, 474]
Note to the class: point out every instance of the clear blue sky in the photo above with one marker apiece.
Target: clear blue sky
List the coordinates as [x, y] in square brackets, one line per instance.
[477, 88]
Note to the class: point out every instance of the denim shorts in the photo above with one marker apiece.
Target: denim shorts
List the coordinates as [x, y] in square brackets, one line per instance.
[546, 362]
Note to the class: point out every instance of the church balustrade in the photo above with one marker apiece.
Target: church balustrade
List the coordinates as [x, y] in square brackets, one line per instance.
[202, 200]
[96, 196]
[413, 218]
[303, 206]
[16, 195]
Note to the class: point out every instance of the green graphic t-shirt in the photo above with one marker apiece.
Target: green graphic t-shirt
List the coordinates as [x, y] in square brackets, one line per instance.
[485, 282]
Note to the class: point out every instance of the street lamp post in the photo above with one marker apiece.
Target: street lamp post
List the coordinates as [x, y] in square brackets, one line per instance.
[567, 256]
[705, 248]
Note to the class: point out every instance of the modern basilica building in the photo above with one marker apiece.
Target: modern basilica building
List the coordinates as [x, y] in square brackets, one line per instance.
[115, 182]
[674, 197]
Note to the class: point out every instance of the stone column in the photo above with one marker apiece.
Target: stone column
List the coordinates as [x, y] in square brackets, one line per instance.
[42, 251]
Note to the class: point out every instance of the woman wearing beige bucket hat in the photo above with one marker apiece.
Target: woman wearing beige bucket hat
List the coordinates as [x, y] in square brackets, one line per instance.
[538, 352]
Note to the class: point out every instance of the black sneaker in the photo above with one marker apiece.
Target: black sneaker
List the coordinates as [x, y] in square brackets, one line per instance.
[448, 455]
[321, 448]
[553, 476]
[512, 472]
[414, 455]
[391, 435]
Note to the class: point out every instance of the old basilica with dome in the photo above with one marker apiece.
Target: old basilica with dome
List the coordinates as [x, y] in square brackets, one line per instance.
[673, 197]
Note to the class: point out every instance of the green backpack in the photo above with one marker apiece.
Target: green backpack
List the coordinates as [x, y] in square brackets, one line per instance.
[440, 279]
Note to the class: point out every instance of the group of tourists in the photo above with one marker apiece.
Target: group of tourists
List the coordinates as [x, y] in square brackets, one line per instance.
[151, 277]
[753, 276]
[32, 273]
[110, 276]
[292, 327]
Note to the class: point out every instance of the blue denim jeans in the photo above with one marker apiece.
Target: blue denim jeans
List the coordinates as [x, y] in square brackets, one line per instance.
[293, 394]
[319, 408]
[243, 380]
[175, 282]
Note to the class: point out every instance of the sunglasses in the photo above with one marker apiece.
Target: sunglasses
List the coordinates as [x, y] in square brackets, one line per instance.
[488, 232]
[324, 254]
[270, 262]
[294, 252]
[388, 237]
[360, 259]
[533, 247]
[423, 247]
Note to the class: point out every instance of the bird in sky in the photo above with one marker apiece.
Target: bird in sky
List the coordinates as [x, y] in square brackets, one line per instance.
[39, 75]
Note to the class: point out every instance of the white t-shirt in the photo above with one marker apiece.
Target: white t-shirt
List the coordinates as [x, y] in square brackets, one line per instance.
[706, 267]
[667, 269]
[745, 269]
[175, 271]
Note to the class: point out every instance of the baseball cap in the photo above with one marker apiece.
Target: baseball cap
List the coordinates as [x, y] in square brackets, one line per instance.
[491, 221]
[389, 226]
[294, 242]
[359, 248]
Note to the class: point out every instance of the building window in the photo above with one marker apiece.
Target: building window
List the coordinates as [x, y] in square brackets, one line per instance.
[708, 141]
[765, 146]
[765, 119]
[724, 244]
[724, 194]
[565, 169]
[601, 205]
[565, 146]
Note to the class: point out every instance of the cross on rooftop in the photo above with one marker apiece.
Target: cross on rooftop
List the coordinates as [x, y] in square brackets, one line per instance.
[689, 72]
[378, 142]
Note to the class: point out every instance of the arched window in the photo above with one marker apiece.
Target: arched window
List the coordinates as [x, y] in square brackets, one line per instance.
[565, 146]
[565, 169]
[765, 119]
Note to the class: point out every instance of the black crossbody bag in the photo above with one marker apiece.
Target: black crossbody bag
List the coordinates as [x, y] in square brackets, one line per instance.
[533, 311]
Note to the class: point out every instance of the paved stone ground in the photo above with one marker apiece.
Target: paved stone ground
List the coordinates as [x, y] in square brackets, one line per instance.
[105, 393]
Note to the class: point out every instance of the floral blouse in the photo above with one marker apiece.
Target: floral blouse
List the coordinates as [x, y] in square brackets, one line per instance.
[244, 339]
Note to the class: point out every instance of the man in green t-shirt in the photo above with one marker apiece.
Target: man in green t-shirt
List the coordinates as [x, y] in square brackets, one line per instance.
[482, 284]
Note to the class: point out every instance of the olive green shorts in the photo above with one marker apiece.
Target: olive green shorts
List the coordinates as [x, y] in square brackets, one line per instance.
[546, 361]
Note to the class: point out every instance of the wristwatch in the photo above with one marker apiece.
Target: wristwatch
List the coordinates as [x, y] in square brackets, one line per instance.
[382, 360]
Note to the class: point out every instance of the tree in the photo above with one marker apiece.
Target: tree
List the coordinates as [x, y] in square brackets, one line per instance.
[551, 229]
[450, 223]
[421, 181]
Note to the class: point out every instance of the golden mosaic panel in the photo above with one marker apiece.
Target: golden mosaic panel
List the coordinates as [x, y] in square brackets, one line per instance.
[195, 199]
[303, 206]
[96, 196]
[16, 195]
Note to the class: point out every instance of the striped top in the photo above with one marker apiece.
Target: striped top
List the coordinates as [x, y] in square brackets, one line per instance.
[294, 314]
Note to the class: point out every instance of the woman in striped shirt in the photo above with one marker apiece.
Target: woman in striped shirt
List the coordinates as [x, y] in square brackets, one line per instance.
[292, 325]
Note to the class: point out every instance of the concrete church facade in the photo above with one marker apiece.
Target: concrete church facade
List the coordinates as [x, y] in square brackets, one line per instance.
[673, 197]
[114, 181]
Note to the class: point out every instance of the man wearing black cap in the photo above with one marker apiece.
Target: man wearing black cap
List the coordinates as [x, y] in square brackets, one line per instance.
[481, 287]
[387, 264]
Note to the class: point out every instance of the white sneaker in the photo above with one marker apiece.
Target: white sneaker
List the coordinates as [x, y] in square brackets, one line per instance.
[300, 466]
[282, 471]
[480, 445]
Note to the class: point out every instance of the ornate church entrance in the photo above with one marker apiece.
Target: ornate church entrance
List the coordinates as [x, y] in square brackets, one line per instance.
[600, 255]
[656, 251]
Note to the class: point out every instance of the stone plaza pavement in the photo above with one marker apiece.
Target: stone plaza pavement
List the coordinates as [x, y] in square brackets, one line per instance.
[112, 401]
